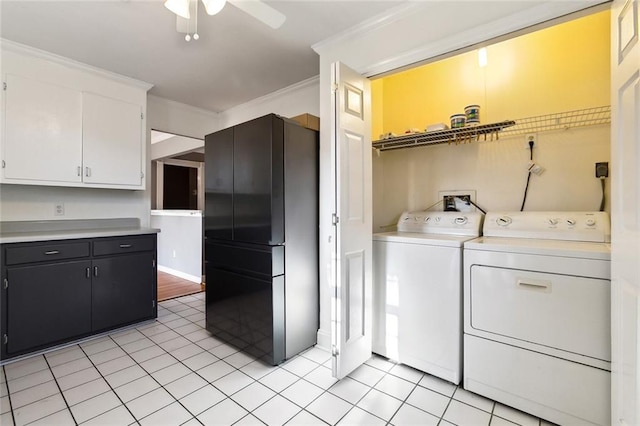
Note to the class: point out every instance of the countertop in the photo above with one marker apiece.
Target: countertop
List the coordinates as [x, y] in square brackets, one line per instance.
[30, 231]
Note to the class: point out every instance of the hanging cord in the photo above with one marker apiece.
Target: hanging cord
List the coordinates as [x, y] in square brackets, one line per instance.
[473, 204]
[526, 188]
[602, 201]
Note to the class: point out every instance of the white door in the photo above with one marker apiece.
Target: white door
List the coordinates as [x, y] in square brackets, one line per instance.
[625, 213]
[351, 147]
[112, 140]
[43, 131]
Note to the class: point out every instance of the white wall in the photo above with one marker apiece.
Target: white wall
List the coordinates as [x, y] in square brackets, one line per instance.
[413, 32]
[180, 119]
[300, 98]
[179, 242]
[409, 179]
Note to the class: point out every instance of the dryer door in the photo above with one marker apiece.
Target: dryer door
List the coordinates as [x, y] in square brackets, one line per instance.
[558, 311]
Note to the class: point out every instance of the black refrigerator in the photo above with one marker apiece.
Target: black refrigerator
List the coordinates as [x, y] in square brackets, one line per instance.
[261, 237]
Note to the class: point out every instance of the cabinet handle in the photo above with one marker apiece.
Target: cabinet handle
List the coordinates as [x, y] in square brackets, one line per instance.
[88, 272]
[87, 171]
[49, 253]
[95, 271]
[125, 245]
[79, 171]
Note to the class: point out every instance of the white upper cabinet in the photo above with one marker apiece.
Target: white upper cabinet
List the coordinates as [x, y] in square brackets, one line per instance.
[43, 131]
[70, 124]
[112, 136]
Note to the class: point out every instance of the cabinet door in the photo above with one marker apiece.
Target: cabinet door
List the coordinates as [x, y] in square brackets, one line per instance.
[47, 304]
[123, 290]
[112, 141]
[43, 132]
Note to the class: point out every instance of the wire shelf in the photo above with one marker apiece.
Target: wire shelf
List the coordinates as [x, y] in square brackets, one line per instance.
[561, 121]
[456, 136]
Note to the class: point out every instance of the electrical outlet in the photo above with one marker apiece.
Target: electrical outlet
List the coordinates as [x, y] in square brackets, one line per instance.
[58, 209]
[530, 137]
[602, 170]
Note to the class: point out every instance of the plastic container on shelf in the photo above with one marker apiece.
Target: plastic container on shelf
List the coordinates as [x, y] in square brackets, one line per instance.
[458, 120]
[472, 113]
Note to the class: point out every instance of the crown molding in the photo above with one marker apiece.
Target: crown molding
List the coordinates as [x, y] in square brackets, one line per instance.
[23, 49]
[315, 80]
[374, 23]
[179, 105]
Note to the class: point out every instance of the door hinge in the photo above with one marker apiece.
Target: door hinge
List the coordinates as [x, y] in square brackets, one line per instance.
[5, 339]
[153, 262]
[141, 175]
[335, 87]
[4, 164]
[334, 219]
[4, 85]
[334, 351]
[153, 303]
[6, 284]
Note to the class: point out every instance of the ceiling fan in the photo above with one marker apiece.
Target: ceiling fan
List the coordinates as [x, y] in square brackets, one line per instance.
[256, 8]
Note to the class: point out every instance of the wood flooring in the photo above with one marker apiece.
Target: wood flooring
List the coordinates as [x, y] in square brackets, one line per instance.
[170, 286]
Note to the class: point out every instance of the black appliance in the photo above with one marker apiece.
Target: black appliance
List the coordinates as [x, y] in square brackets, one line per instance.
[261, 237]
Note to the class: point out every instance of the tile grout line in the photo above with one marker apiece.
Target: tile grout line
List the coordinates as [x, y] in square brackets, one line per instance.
[110, 387]
[55, 379]
[13, 417]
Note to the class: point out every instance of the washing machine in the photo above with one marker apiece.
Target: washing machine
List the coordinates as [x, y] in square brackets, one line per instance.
[417, 295]
[537, 314]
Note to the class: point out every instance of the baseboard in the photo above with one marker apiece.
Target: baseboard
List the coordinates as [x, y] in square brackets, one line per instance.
[324, 340]
[193, 278]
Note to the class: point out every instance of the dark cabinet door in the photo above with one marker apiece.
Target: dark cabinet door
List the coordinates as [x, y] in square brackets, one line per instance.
[47, 304]
[123, 290]
[258, 178]
[218, 152]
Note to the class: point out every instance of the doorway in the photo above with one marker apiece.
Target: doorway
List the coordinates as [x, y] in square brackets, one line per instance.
[177, 204]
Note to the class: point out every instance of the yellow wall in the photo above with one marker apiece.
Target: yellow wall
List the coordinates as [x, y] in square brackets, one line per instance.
[562, 68]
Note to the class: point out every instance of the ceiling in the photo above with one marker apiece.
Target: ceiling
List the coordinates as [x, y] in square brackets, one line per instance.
[236, 59]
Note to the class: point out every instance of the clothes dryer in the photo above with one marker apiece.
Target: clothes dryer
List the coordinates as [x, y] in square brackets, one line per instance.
[417, 294]
[537, 314]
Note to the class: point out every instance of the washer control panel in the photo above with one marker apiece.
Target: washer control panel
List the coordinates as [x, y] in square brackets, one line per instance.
[447, 223]
[570, 226]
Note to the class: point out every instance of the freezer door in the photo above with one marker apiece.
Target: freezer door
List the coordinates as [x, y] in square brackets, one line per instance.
[258, 181]
[245, 300]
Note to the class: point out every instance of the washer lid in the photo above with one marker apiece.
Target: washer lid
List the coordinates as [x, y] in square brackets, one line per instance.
[578, 249]
[424, 239]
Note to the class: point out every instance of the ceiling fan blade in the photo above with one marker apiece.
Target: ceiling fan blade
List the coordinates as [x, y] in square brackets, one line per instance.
[261, 11]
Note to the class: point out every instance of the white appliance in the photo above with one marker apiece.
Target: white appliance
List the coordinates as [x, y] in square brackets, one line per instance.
[417, 295]
[537, 314]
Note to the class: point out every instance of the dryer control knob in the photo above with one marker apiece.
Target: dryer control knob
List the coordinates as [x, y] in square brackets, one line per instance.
[591, 222]
[503, 220]
[460, 220]
[437, 219]
[552, 221]
[571, 222]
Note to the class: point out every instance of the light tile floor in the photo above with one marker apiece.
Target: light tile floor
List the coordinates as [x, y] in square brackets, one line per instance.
[172, 372]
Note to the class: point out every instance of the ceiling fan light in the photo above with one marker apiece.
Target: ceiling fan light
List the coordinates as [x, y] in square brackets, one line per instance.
[213, 6]
[179, 7]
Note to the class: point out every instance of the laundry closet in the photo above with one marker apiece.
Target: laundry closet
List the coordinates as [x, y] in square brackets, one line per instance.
[554, 83]
[542, 144]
